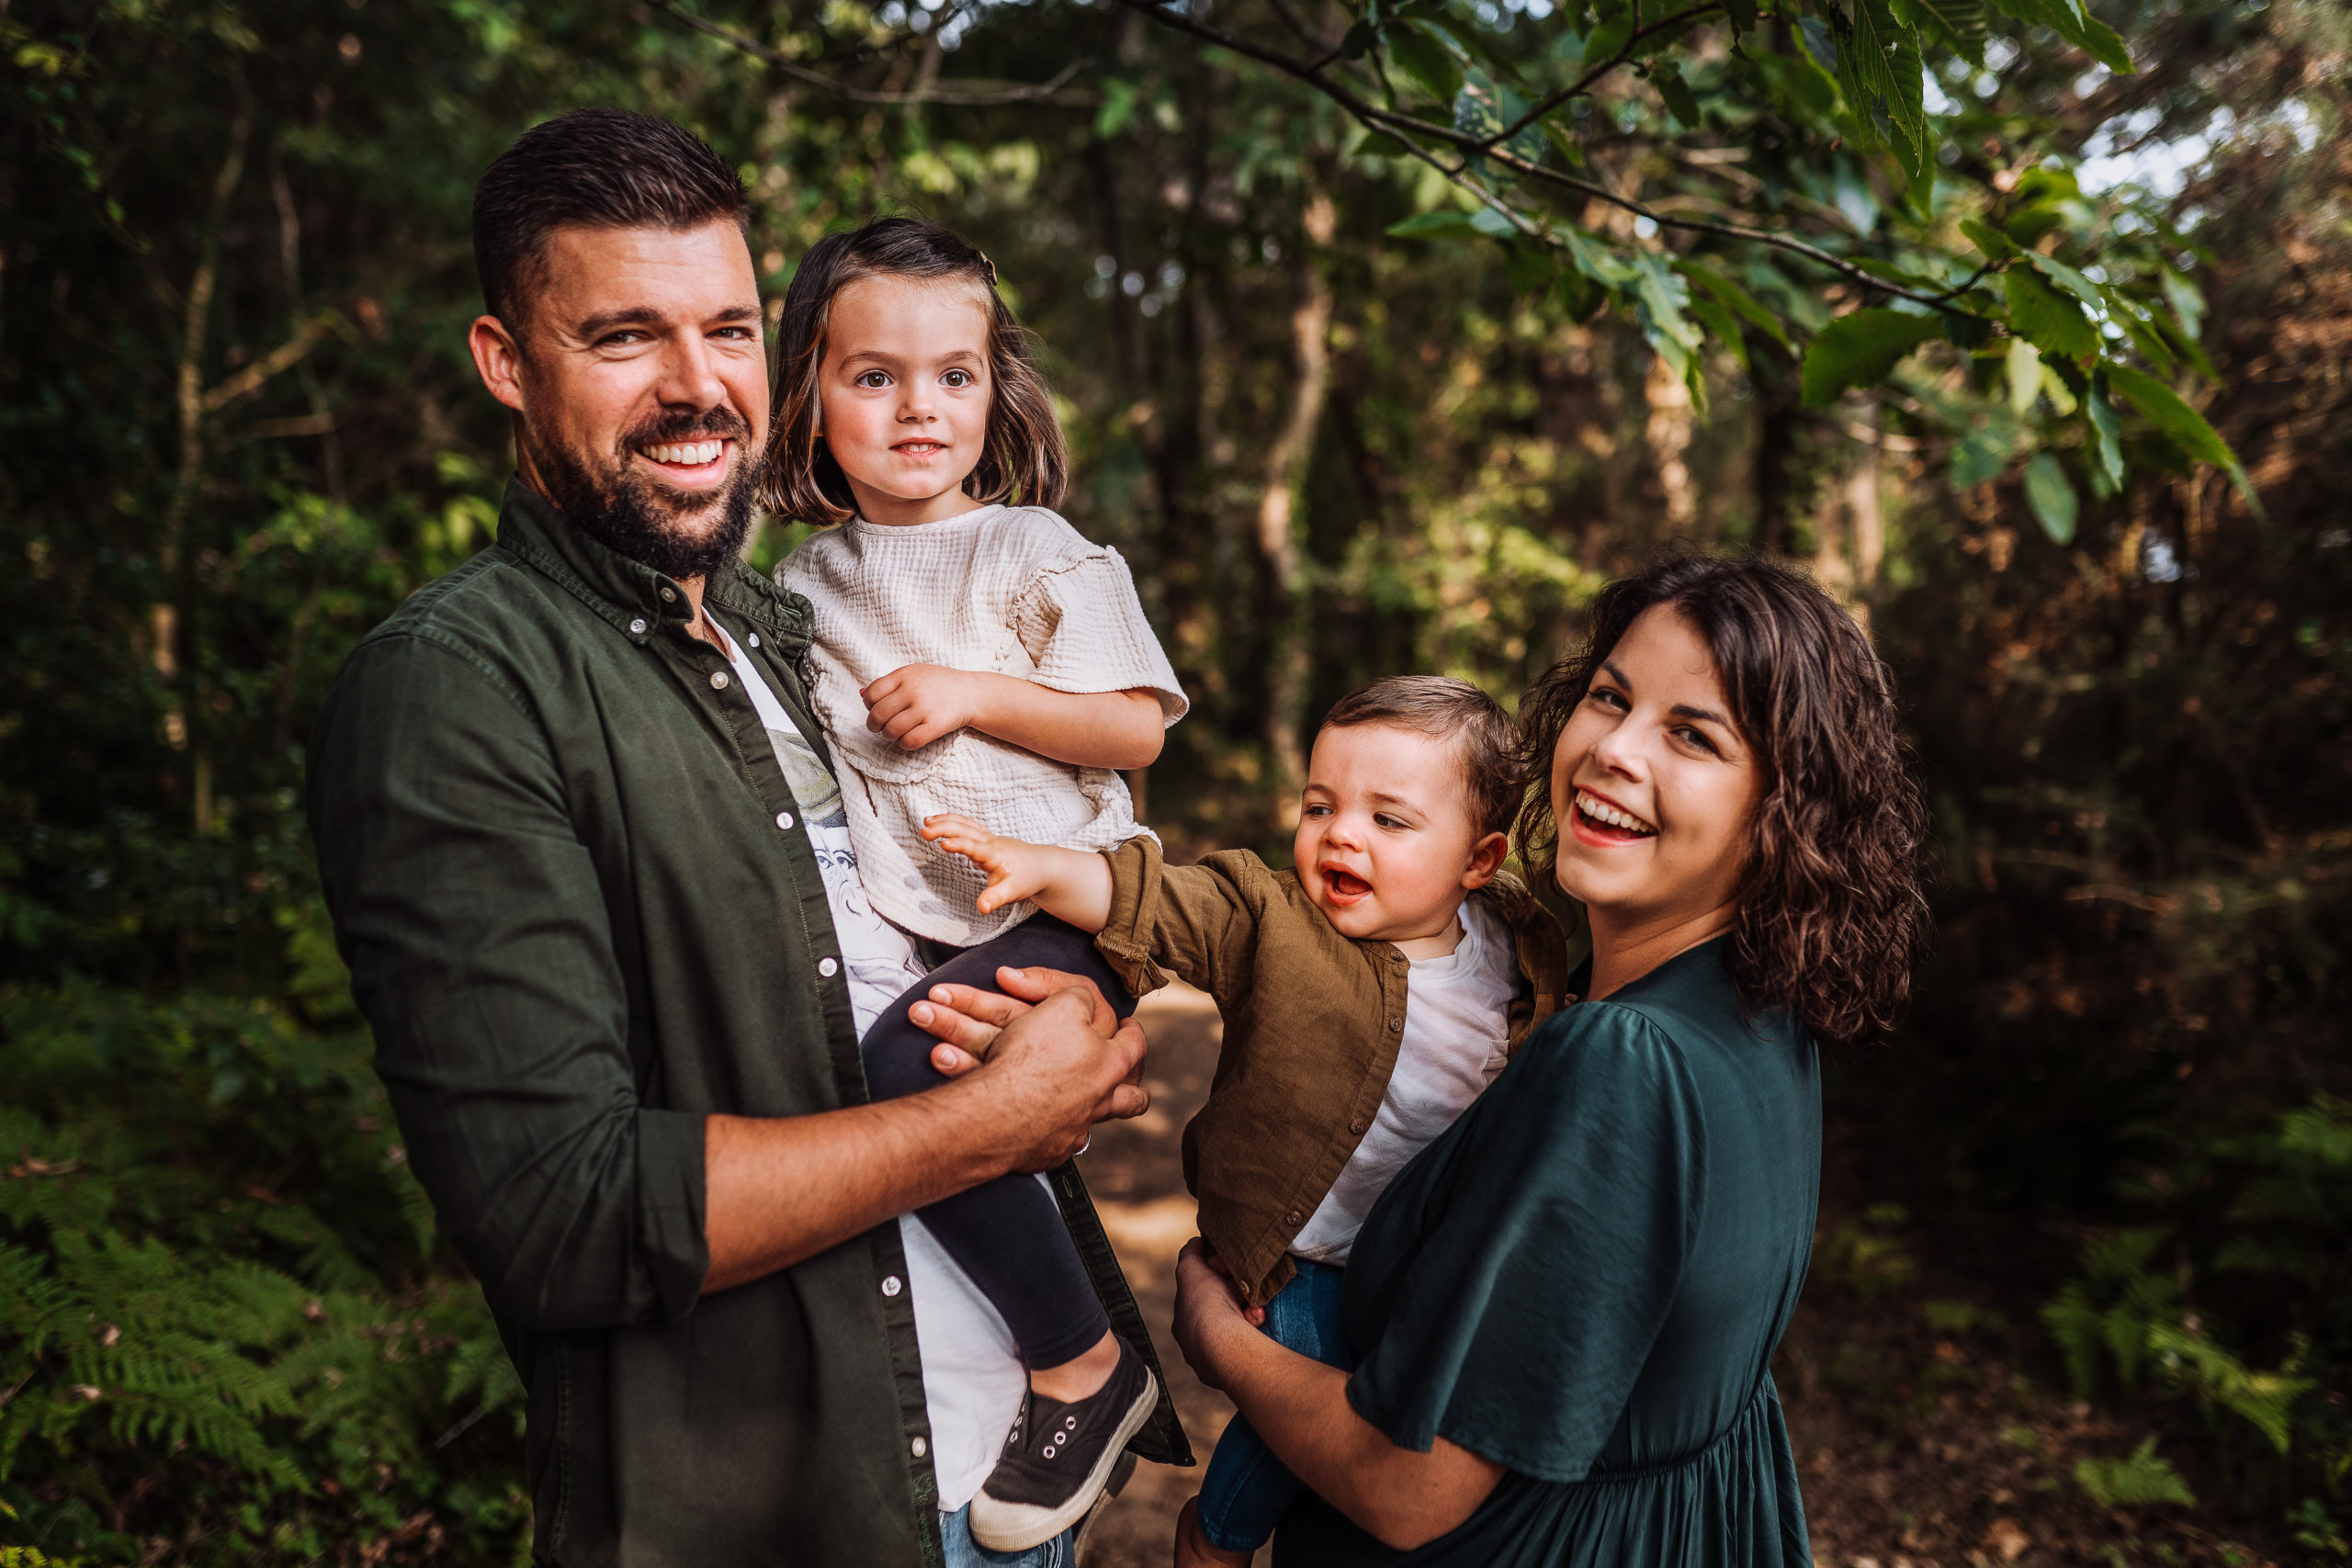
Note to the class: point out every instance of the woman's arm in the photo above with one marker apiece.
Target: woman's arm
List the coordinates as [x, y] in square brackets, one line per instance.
[1300, 1407]
[918, 704]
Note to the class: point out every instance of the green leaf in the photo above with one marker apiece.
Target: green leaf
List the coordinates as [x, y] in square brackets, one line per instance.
[2182, 425]
[1741, 303]
[1860, 348]
[1597, 261]
[2067, 278]
[1741, 13]
[1426, 61]
[2187, 303]
[1724, 325]
[1608, 37]
[2134, 1481]
[1879, 68]
[1960, 24]
[1118, 107]
[1681, 101]
[2023, 364]
[1996, 245]
[1359, 40]
[2051, 496]
[2086, 32]
[1487, 221]
[1482, 108]
[1380, 144]
[1444, 224]
[2106, 437]
[1562, 144]
[1982, 454]
[2051, 321]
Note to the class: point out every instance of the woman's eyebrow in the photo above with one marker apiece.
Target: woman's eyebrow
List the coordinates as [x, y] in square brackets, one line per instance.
[1708, 715]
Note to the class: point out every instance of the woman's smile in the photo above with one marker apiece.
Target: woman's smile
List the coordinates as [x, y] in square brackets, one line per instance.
[1600, 821]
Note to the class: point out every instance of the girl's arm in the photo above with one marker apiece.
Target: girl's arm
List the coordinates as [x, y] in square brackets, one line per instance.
[917, 704]
[1072, 883]
[1300, 1407]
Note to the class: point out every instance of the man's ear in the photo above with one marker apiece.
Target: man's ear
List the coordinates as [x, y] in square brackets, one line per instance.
[1486, 857]
[499, 358]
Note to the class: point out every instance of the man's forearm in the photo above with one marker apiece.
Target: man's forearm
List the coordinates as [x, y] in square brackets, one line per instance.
[783, 1189]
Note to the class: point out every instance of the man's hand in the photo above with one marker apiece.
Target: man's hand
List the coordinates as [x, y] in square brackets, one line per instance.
[1053, 1044]
[1209, 1311]
[972, 1025]
[1017, 869]
[918, 704]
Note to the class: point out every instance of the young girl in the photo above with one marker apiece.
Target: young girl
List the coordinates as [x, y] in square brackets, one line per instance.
[973, 654]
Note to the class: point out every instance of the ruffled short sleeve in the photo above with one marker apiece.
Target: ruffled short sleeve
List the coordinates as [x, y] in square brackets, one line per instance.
[1084, 630]
[1508, 1287]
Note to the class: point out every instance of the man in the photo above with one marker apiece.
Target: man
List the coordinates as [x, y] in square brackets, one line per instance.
[573, 870]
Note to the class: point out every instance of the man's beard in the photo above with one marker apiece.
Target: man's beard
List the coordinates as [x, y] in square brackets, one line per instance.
[636, 515]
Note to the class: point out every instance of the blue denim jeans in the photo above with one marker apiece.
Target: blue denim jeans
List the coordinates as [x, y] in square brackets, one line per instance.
[963, 1551]
[1248, 1490]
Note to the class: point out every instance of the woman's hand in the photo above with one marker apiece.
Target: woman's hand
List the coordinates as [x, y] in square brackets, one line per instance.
[1209, 1311]
[967, 1021]
[1017, 869]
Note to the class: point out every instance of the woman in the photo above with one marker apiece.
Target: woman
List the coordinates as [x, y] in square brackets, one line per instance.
[1565, 1306]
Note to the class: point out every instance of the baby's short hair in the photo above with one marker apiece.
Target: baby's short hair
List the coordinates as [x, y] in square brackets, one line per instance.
[1493, 775]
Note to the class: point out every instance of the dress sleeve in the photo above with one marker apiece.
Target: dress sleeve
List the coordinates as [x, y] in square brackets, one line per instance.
[1084, 630]
[1517, 1310]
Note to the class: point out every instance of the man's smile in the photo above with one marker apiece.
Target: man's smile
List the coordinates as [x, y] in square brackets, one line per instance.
[689, 464]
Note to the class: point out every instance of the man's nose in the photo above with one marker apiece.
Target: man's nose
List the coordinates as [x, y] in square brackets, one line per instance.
[690, 376]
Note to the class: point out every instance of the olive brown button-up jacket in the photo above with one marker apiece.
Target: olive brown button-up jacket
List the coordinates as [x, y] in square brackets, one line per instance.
[1313, 1020]
[581, 914]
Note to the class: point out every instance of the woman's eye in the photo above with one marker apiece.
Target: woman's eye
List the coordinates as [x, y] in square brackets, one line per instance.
[1698, 738]
[1606, 697]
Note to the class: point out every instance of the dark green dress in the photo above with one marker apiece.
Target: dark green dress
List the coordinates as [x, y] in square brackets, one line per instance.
[1584, 1278]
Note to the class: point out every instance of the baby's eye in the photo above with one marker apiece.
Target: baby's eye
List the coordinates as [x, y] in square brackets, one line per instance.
[873, 380]
[1317, 811]
[1384, 820]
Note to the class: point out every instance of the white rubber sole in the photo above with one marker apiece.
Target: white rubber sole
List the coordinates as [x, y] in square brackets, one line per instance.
[1017, 1527]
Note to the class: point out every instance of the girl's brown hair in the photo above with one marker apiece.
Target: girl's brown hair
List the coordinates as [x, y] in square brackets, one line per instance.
[1832, 915]
[1025, 461]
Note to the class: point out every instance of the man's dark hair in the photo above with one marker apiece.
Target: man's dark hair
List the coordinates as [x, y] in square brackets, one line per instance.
[1486, 740]
[591, 168]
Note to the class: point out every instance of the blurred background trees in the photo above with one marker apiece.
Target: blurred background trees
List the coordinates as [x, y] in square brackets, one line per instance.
[1343, 424]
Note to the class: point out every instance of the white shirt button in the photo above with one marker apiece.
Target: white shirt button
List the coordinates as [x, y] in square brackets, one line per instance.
[636, 627]
[753, 639]
[827, 967]
[892, 1285]
[668, 595]
[719, 680]
[784, 820]
[919, 1448]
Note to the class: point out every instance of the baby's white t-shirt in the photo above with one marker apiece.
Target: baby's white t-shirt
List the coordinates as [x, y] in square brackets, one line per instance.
[1002, 589]
[1456, 1038]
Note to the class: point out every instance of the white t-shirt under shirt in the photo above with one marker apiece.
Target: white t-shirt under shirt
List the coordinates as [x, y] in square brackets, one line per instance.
[1456, 1039]
[972, 1378]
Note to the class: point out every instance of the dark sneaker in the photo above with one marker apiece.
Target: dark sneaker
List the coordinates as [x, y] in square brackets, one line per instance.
[1058, 1459]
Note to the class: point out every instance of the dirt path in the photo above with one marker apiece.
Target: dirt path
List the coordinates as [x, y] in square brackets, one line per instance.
[1920, 1443]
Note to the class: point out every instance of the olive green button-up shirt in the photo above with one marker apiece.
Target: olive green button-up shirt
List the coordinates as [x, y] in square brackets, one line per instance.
[582, 914]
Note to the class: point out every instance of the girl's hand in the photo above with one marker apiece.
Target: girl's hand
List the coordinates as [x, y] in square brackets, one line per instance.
[1209, 1311]
[918, 704]
[1017, 869]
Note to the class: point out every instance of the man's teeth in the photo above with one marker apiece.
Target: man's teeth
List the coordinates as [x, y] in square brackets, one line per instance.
[1601, 811]
[686, 454]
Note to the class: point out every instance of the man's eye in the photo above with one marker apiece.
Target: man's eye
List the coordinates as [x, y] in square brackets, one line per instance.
[622, 340]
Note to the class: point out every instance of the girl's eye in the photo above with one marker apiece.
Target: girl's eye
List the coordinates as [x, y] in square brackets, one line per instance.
[957, 378]
[873, 380]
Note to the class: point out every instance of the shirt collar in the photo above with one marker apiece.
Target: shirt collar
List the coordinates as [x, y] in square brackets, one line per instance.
[631, 596]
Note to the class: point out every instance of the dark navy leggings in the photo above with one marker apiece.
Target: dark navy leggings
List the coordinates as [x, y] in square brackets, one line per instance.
[1007, 1234]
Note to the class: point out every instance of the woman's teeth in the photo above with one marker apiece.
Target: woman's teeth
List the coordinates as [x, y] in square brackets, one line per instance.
[1602, 812]
[686, 454]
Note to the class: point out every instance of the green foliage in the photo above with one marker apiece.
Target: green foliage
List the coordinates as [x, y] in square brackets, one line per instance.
[1862, 349]
[1864, 1255]
[2140, 1478]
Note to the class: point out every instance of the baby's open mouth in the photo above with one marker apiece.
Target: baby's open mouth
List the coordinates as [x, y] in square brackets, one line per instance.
[1606, 821]
[1344, 885]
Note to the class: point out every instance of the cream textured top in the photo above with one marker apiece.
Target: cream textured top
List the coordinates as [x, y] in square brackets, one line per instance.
[1009, 590]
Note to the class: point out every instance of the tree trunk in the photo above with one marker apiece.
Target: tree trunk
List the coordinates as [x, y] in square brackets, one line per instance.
[1287, 665]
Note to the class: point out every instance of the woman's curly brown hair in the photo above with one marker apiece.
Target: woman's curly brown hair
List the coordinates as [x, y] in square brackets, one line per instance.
[1832, 915]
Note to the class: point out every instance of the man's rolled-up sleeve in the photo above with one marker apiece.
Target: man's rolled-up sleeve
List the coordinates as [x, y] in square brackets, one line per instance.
[475, 927]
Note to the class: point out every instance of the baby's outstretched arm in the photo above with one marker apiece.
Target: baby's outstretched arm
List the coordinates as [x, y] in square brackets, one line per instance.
[917, 704]
[1072, 883]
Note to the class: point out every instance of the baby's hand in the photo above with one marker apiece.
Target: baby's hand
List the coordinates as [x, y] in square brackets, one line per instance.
[918, 704]
[1017, 869]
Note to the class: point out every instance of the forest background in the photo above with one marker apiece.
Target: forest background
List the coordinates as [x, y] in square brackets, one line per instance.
[2026, 329]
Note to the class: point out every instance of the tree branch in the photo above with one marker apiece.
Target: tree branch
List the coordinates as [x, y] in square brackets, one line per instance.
[970, 94]
[283, 357]
[1378, 118]
[1575, 88]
